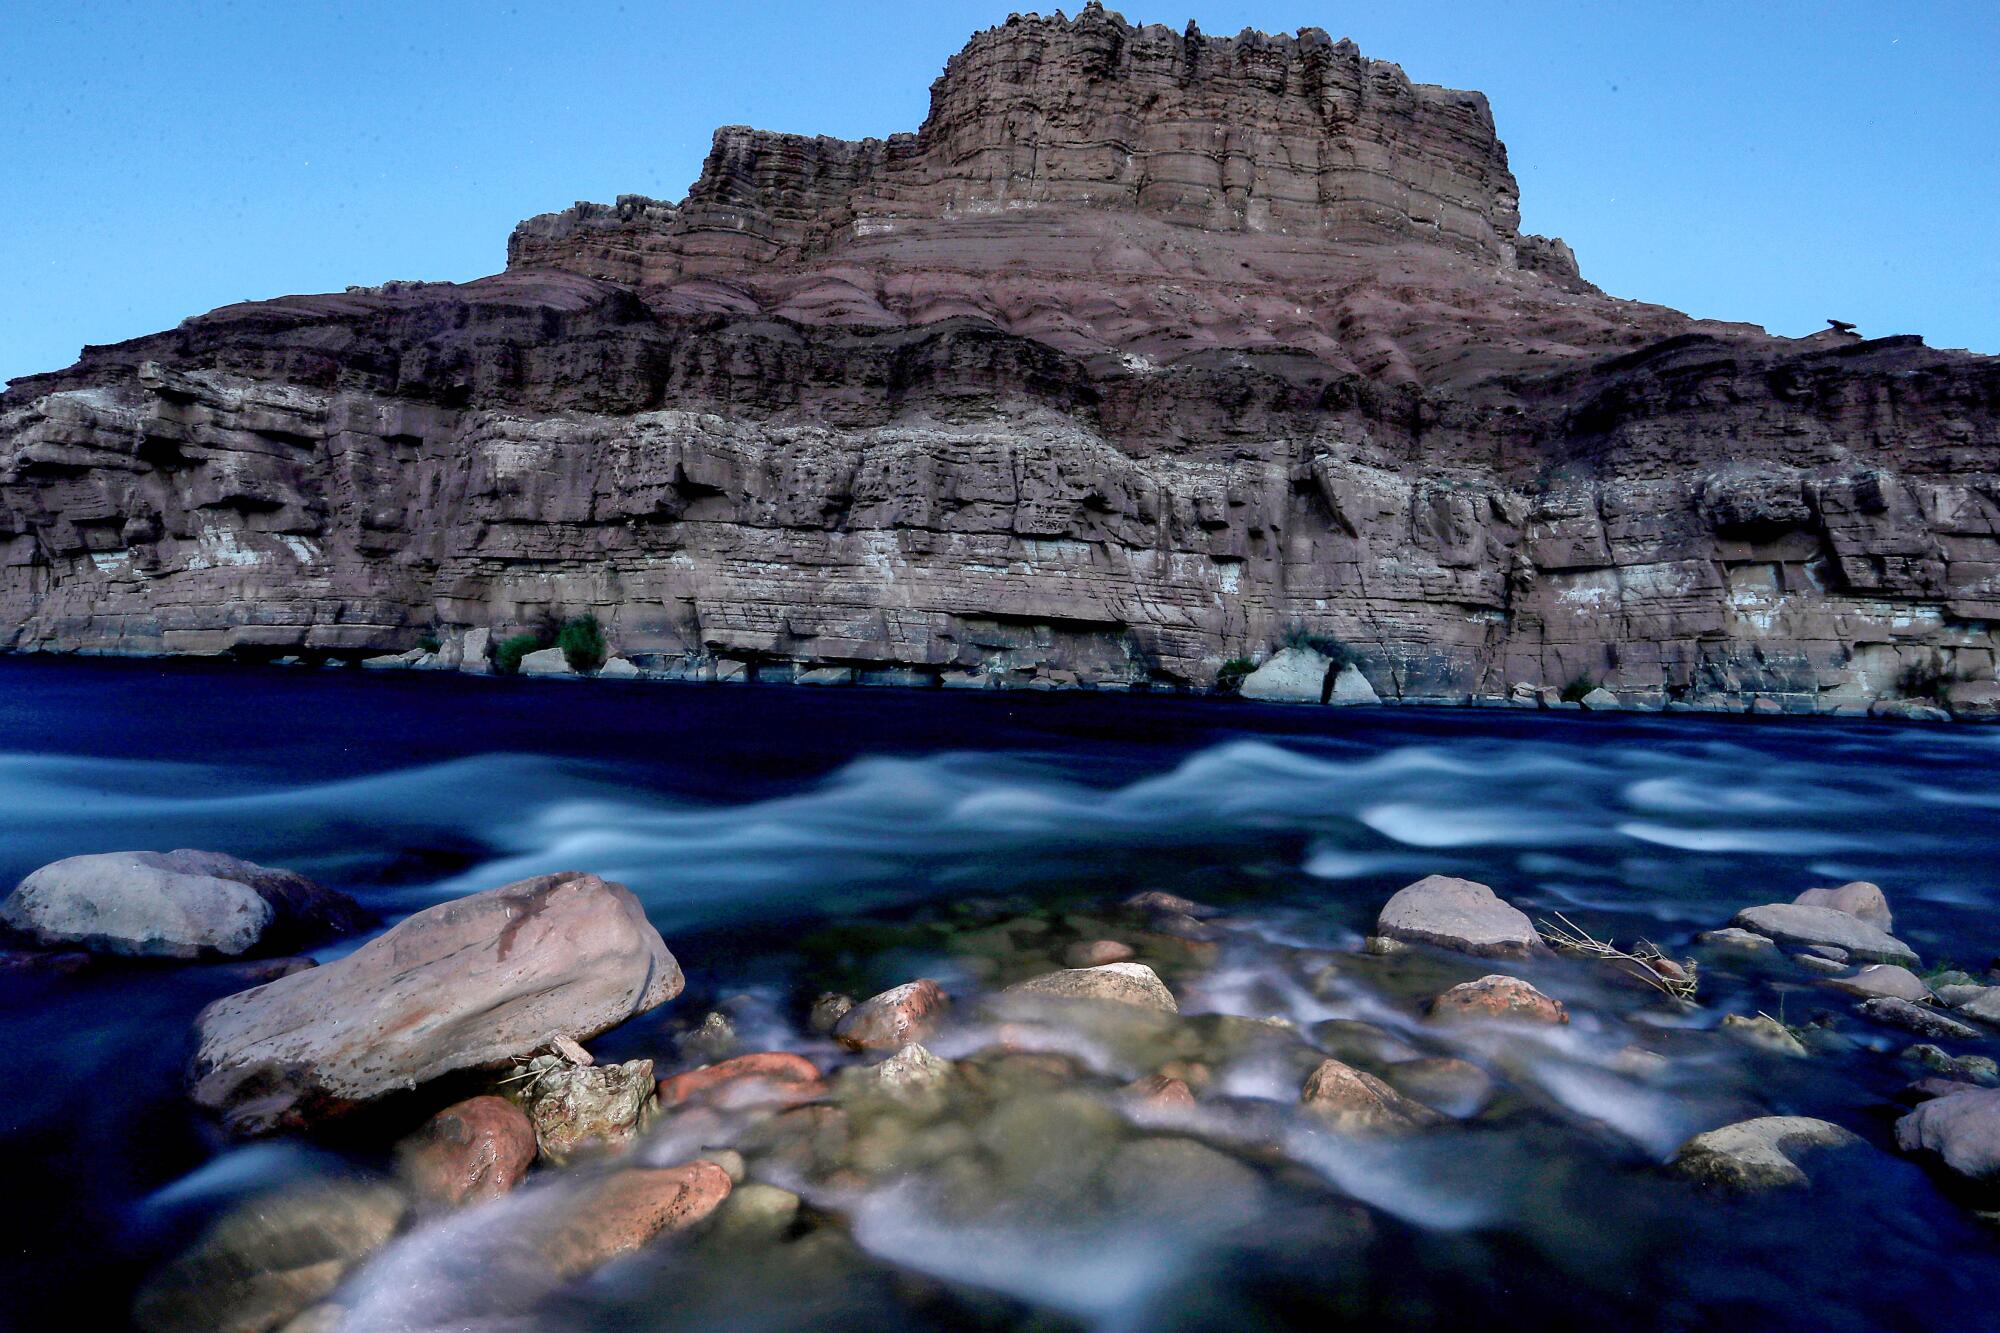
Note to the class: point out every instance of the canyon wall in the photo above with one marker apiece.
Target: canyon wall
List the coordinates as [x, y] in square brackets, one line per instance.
[1146, 350]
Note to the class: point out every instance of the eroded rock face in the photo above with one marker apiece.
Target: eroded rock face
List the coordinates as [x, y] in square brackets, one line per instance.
[179, 904]
[1146, 346]
[465, 984]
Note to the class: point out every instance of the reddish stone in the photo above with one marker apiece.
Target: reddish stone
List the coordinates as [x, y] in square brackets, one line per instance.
[1160, 1090]
[768, 1078]
[1499, 997]
[629, 1208]
[893, 1019]
[471, 1152]
[1096, 953]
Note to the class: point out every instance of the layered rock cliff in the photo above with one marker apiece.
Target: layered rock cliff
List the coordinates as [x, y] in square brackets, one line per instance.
[1146, 349]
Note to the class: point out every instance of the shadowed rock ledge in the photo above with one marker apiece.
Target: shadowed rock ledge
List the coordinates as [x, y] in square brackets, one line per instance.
[1145, 352]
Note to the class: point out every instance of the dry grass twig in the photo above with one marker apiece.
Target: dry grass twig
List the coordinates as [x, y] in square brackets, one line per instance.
[1675, 980]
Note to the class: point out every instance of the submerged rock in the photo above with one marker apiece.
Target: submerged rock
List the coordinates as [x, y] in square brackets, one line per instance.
[1458, 914]
[1758, 1154]
[587, 1106]
[827, 1011]
[893, 1019]
[179, 904]
[912, 1074]
[466, 984]
[1122, 983]
[1763, 1032]
[1096, 953]
[1444, 1082]
[469, 1153]
[767, 1078]
[1498, 996]
[1963, 1129]
[1791, 923]
[1159, 1090]
[627, 1209]
[1977, 1068]
[1356, 1102]
[1858, 899]
[270, 1259]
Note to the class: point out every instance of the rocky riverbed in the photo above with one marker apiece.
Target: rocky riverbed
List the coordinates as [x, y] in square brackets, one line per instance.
[1143, 1056]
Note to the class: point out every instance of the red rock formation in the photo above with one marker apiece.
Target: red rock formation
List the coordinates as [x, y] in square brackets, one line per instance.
[1144, 347]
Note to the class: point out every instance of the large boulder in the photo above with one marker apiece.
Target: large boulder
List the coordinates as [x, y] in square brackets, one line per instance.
[466, 984]
[1758, 1154]
[1122, 983]
[179, 904]
[1801, 925]
[1458, 914]
[1291, 675]
[1963, 1129]
[1858, 899]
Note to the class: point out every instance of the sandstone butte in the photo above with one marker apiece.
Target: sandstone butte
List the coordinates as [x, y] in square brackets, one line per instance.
[1144, 349]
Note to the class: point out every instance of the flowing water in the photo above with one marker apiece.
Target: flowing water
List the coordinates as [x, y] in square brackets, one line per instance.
[788, 840]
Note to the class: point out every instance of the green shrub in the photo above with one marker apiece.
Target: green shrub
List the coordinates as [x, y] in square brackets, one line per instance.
[1229, 677]
[429, 641]
[582, 644]
[1573, 692]
[507, 657]
[1330, 646]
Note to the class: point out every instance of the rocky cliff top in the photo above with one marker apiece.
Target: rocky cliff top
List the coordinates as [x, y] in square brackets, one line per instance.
[1295, 135]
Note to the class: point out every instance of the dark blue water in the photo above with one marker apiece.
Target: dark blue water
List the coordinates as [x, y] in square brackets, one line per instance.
[744, 815]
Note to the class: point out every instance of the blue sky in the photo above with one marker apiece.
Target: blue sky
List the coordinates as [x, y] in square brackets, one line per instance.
[1775, 161]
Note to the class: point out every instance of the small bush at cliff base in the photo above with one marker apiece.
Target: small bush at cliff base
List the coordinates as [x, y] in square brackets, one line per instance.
[507, 657]
[1927, 678]
[1330, 646]
[1573, 692]
[1230, 675]
[582, 644]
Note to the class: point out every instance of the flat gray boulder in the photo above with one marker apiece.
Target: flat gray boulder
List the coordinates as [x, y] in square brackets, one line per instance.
[179, 904]
[1757, 1154]
[1800, 925]
[1859, 899]
[1883, 981]
[466, 984]
[1963, 1129]
[1458, 914]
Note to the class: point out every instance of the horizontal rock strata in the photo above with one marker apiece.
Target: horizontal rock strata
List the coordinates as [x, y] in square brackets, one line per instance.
[1147, 348]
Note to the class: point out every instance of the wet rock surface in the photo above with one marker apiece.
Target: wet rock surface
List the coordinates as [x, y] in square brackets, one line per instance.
[1790, 923]
[179, 904]
[1963, 1129]
[1119, 983]
[474, 1151]
[1458, 914]
[1759, 1154]
[1497, 997]
[469, 983]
